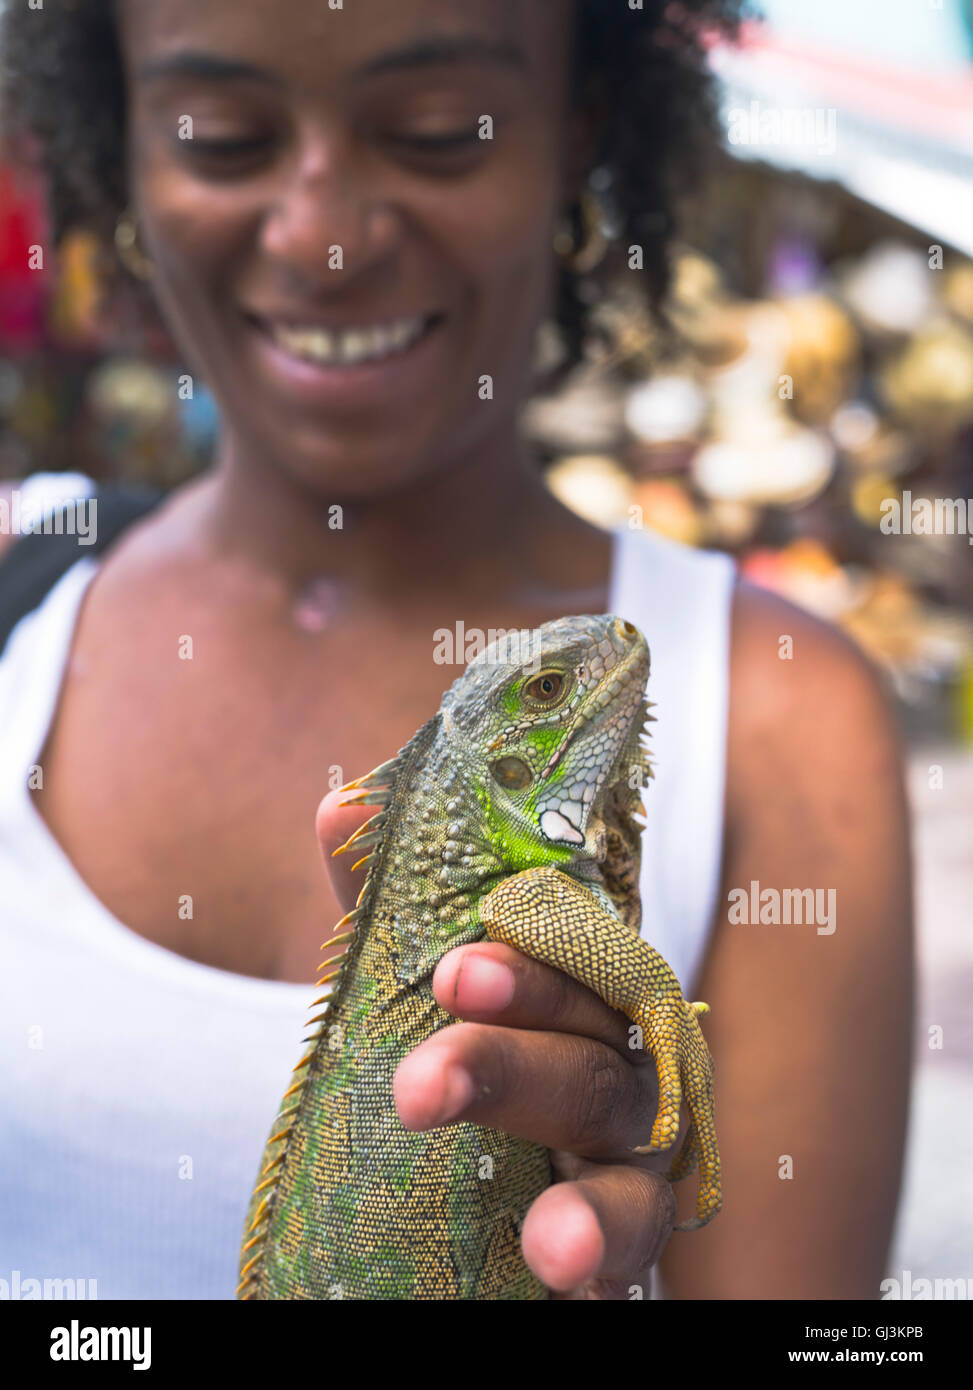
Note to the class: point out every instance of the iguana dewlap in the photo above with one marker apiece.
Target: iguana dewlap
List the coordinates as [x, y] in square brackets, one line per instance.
[510, 815]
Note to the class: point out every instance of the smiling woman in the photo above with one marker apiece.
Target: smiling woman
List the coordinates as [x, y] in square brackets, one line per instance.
[355, 222]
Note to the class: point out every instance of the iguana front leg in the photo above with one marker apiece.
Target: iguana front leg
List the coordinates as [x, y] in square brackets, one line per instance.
[556, 920]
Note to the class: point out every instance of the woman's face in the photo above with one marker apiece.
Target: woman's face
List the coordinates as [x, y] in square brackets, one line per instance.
[338, 251]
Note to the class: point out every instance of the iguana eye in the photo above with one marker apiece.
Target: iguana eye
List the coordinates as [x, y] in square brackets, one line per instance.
[545, 688]
[512, 773]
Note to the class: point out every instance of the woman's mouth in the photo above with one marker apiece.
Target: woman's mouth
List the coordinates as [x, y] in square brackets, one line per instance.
[348, 347]
[358, 367]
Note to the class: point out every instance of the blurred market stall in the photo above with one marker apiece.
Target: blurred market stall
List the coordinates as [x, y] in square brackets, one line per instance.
[811, 410]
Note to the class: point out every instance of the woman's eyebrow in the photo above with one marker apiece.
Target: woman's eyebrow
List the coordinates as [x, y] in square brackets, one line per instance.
[424, 53]
[189, 63]
[449, 48]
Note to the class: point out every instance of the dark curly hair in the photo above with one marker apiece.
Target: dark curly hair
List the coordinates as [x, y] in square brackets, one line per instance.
[62, 86]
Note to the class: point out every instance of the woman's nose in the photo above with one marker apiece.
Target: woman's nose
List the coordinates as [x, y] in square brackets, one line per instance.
[327, 218]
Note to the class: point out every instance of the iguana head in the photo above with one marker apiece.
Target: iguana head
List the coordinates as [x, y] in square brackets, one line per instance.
[548, 733]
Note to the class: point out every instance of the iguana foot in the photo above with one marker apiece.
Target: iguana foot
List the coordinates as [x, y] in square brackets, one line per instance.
[673, 1037]
[557, 920]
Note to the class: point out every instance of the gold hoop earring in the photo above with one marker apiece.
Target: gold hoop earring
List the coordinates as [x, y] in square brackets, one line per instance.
[130, 253]
[580, 242]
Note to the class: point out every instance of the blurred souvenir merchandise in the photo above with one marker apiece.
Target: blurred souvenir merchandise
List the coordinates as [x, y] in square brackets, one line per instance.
[69, 399]
[805, 402]
[802, 432]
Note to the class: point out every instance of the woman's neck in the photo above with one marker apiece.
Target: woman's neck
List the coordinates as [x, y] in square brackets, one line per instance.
[469, 524]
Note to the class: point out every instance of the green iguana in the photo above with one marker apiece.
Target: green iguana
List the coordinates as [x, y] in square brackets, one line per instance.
[508, 816]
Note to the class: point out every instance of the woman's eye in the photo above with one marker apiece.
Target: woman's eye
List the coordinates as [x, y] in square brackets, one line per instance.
[443, 141]
[450, 142]
[232, 147]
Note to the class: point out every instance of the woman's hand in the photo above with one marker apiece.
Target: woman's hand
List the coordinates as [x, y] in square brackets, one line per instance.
[540, 1056]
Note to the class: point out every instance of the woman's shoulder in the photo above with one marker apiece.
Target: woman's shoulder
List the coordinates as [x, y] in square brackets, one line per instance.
[809, 712]
[784, 660]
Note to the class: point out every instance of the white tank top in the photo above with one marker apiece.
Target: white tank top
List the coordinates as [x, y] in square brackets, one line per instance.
[137, 1087]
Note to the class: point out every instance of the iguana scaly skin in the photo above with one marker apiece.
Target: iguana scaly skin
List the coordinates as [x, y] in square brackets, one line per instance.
[510, 815]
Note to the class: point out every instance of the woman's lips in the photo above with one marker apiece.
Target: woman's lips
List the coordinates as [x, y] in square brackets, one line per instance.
[354, 368]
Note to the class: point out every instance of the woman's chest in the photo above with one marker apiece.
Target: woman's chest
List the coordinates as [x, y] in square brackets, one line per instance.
[181, 778]
[188, 756]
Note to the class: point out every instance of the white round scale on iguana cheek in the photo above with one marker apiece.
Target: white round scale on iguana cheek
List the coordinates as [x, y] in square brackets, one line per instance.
[558, 827]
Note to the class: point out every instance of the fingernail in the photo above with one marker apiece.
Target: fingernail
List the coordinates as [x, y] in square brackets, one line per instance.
[457, 1094]
[484, 984]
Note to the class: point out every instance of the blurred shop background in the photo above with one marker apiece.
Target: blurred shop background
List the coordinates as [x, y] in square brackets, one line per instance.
[817, 370]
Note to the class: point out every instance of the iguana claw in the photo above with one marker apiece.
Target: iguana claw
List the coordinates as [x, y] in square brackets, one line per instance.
[675, 1040]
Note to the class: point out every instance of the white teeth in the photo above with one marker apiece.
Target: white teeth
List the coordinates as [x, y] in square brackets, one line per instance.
[353, 346]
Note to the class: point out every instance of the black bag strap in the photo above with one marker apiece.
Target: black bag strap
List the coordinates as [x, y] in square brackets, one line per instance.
[37, 560]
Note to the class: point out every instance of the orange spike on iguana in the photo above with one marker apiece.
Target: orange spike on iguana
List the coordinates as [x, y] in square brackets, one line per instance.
[348, 920]
[372, 824]
[367, 798]
[261, 1211]
[359, 838]
[336, 940]
[371, 777]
